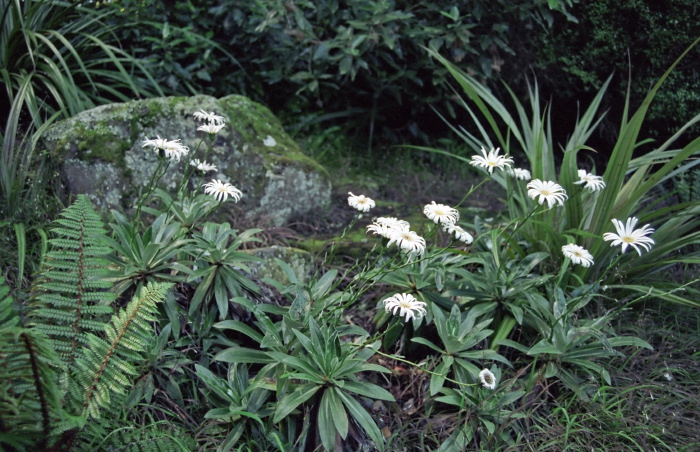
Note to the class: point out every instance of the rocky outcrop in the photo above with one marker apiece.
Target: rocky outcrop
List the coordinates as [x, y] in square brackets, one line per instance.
[100, 153]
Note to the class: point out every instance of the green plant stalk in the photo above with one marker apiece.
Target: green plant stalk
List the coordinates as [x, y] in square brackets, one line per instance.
[614, 175]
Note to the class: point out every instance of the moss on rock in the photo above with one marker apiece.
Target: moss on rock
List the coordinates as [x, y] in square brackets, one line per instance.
[278, 181]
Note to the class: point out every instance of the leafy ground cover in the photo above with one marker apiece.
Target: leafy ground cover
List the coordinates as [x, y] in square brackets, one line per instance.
[533, 333]
[652, 402]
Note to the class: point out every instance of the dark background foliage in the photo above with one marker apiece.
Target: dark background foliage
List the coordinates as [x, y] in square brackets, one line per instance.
[637, 39]
[361, 63]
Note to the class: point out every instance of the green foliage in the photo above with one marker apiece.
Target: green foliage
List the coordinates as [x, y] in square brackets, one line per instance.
[29, 395]
[71, 297]
[460, 336]
[637, 36]
[153, 437]
[568, 342]
[313, 369]
[482, 416]
[630, 182]
[106, 364]
[57, 58]
[61, 57]
[219, 261]
[241, 401]
[148, 256]
[68, 362]
[302, 55]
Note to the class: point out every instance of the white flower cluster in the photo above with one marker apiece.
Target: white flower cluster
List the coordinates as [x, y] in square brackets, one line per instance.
[171, 149]
[398, 232]
[554, 194]
[214, 122]
[448, 217]
[174, 150]
[491, 160]
[360, 202]
[406, 305]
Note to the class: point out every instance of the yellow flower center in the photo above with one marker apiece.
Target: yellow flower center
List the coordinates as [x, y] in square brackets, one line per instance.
[628, 239]
[545, 193]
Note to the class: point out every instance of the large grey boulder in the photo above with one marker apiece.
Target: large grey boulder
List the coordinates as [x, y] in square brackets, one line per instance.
[101, 154]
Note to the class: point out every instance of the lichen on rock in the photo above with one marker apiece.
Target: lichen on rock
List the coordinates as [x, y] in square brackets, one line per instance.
[100, 153]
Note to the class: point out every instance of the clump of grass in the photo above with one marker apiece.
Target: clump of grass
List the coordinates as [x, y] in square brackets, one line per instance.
[653, 403]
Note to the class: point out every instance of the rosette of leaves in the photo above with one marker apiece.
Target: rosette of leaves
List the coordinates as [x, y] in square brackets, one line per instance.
[241, 401]
[220, 265]
[480, 415]
[151, 256]
[188, 210]
[329, 371]
[461, 337]
[569, 344]
[315, 371]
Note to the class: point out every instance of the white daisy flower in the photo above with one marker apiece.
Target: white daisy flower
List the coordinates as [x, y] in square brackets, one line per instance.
[458, 232]
[211, 128]
[628, 236]
[172, 149]
[441, 213]
[491, 160]
[577, 254]
[520, 173]
[593, 183]
[270, 142]
[221, 191]
[406, 305]
[488, 379]
[211, 118]
[360, 202]
[384, 225]
[547, 191]
[407, 240]
[203, 166]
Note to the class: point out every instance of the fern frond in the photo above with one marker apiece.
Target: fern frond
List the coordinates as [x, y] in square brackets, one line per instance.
[8, 315]
[28, 392]
[107, 364]
[71, 294]
[160, 436]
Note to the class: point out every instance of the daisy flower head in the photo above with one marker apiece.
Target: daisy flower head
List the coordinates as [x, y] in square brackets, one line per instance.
[520, 173]
[203, 166]
[592, 182]
[577, 254]
[211, 129]
[491, 160]
[441, 213]
[270, 142]
[547, 191]
[407, 240]
[171, 149]
[384, 225]
[360, 202]
[458, 232]
[210, 118]
[222, 190]
[488, 379]
[406, 305]
[628, 236]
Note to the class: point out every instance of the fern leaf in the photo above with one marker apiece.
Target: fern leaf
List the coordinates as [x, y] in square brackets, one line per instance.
[107, 364]
[71, 295]
[28, 393]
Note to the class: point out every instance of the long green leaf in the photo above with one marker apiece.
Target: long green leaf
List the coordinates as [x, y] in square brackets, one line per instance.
[291, 401]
